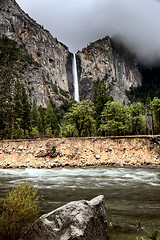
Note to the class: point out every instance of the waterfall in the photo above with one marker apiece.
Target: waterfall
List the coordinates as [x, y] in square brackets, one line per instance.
[75, 76]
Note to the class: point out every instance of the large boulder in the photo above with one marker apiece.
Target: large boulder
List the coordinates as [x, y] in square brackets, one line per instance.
[74, 221]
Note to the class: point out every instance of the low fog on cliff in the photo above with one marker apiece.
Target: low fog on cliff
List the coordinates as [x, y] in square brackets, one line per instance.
[77, 23]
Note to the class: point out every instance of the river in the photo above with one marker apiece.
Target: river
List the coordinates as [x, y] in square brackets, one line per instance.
[132, 194]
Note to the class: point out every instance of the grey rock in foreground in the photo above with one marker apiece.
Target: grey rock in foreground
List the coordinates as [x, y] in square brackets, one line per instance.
[74, 221]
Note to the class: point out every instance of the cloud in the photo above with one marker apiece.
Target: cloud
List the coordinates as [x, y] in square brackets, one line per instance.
[76, 23]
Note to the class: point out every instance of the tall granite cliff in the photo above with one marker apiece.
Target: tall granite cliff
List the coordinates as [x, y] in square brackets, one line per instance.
[103, 59]
[53, 78]
[108, 60]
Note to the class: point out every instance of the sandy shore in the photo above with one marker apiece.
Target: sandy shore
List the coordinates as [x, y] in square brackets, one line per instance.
[79, 152]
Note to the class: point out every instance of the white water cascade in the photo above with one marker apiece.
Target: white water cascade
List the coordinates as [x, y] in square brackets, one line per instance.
[75, 76]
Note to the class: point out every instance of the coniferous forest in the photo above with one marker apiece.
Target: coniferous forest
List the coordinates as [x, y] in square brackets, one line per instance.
[101, 116]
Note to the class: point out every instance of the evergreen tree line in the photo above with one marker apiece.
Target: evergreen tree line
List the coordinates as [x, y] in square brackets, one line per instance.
[14, 104]
[29, 121]
[102, 116]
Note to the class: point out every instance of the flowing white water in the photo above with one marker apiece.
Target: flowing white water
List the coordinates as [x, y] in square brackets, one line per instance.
[75, 76]
[131, 194]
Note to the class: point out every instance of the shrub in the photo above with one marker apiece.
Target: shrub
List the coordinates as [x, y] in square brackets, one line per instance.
[18, 210]
[34, 133]
[153, 235]
[64, 93]
[55, 88]
[54, 149]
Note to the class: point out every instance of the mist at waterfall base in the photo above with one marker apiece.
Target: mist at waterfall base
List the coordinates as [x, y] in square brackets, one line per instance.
[132, 195]
[76, 23]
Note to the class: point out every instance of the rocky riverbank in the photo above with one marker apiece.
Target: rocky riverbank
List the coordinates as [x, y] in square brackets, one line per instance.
[80, 152]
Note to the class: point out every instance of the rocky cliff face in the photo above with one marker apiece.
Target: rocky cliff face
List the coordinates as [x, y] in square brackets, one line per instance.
[53, 77]
[107, 60]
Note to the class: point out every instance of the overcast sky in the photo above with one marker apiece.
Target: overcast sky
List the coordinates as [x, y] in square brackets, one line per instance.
[78, 22]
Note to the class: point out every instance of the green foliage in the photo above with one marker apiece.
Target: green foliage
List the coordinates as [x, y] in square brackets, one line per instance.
[137, 118]
[54, 149]
[41, 124]
[65, 105]
[55, 88]
[34, 133]
[64, 93]
[9, 55]
[68, 130]
[156, 108]
[114, 118]
[153, 235]
[79, 121]
[51, 117]
[99, 98]
[12, 54]
[34, 115]
[149, 117]
[15, 108]
[18, 210]
[17, 131]
[44, 121]
[138, 226]
[22, 108]
[150, 85]
[16, 113]
[156, 113]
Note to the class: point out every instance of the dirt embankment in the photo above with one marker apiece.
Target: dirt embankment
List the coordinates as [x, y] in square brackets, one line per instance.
[79, 152]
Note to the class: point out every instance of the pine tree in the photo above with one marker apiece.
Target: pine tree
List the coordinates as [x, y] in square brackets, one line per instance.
[100, 97]
[34, 115]
[42, 121]
[149, 116]
[26, 111]
[8, 56]
[22, 109]
[137, 118]
[51, 117]
[156, 114]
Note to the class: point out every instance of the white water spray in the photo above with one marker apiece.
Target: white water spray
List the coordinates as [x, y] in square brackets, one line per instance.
[75, 76]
